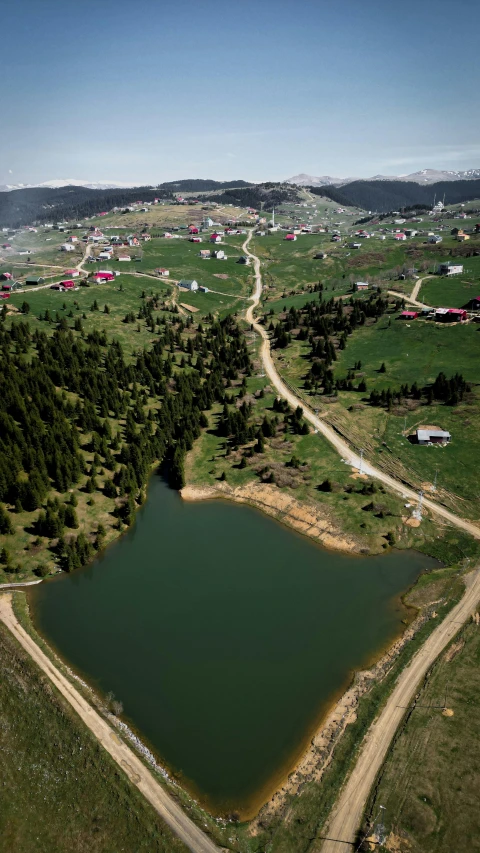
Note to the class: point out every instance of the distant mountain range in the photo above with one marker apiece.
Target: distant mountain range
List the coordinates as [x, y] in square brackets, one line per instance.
[59, 183]
[424, 176]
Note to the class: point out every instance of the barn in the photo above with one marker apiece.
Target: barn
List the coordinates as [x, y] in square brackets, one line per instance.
[433, 436]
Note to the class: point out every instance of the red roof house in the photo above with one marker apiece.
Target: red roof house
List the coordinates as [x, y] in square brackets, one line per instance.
[6, 276]
[409, 315]
[215, 238]
[290, 236]
[457, 314]
[104, 276]
[192, 229]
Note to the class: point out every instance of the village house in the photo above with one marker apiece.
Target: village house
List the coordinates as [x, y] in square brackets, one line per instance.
[205, 254]
[103, 276]
[163, 272]
[72, 273]
[195, 239]
[72, 239]
[67, 247]
[449, 315]
[124, 258]
[219, 254]
[215, 238]
[475, 303]
[361, 285]
[290, 237]
[408, 315]
[450, 269]
[188, 284]
[432, 436]
[68, 284]
[434, 238]
[243, 259]
[399, 237]
[6, 276]
[34, 280]
[462, 237]
[207, 222]
[145, 237]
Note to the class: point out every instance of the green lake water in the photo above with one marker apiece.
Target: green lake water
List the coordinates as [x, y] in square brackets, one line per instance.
[225, 635]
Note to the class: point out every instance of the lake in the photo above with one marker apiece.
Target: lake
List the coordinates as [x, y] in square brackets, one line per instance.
[225, 635]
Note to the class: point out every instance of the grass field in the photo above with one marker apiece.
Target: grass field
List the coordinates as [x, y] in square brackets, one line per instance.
[455, 291]
[430, 780]
[60, 791]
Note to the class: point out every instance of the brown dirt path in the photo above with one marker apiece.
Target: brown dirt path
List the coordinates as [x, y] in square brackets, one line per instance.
[125, 757]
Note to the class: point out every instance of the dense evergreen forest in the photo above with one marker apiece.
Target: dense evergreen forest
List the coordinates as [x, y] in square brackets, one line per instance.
[199, 185]
[384, 196]
[260, 197]
[60, 393]
[43, 204]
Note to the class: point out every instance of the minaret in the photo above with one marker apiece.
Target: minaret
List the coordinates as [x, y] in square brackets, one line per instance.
[273, 218]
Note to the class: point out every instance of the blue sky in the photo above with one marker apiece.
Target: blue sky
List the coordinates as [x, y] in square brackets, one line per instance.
[145, 90]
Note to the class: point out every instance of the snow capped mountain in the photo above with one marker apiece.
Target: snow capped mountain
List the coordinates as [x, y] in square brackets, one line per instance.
[58, 183]
[303, 180]
[424, 176]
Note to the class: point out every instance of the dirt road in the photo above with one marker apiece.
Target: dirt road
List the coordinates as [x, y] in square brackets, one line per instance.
[348, 811]
[412, 299]
[338, 443]
[127, 760]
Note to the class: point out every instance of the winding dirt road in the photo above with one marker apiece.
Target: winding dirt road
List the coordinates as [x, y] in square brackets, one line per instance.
[338, 443]
[347, 814]
[125, 757]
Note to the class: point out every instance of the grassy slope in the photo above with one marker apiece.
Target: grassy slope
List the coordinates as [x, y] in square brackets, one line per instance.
[60, 791]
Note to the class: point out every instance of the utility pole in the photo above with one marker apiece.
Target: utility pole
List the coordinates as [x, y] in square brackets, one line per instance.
[417, 513]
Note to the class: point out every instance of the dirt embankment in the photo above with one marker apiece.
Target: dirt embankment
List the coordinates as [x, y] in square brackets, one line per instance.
[313, 521]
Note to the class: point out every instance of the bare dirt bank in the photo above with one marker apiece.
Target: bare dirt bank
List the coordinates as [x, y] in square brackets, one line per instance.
[311, 520]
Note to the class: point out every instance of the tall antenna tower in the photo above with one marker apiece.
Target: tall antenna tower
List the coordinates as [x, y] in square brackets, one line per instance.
[273, 217]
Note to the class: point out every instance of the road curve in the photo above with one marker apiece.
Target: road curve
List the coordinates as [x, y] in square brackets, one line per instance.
[127, 760]
[338, 443]
[347, 814]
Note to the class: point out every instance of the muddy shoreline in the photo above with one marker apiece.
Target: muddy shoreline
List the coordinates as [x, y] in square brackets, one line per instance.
[314, 522]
